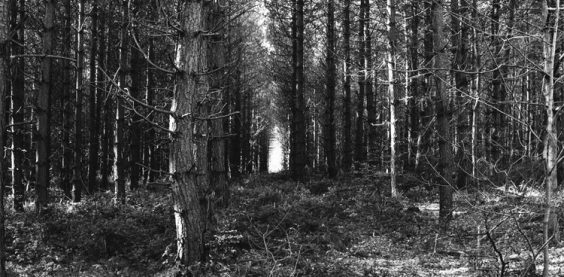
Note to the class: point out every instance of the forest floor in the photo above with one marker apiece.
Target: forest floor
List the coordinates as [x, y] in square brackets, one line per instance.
[276, 227]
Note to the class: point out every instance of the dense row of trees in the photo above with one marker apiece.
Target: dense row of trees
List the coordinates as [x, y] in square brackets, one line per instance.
[116, 97]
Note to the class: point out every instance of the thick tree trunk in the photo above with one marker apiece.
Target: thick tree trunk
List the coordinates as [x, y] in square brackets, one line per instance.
[4, 76]
[44, 106]
[413, 86]
[443, 115]
[189, 189]
[331, 78]
[93, 123]
[18, 106]
[79, 95]
[391, 65]
[107, 107]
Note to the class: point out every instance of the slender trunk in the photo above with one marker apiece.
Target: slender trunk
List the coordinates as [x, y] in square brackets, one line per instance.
[499, 90]
[93, 115]
[4, 76]
[236, 129]
[120, 159]
[346, 163]
[107, 107]
[360, 149]
[370, 93]
[136, 129]
[216, 56]
[44, 106]
[475, 92]
[414, 83]
[551, 13]
[151, 156]
[18, 109]
[391, 65]
[331, 74]
[79, 94]
[443, 115]
[67, 102]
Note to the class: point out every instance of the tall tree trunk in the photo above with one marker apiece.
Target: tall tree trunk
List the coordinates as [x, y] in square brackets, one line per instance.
[551, 14]
[44, 106]
[79, 95]
[93, 112]
[67, 102]
[499, 90]
[347, 158]
[370, 93]
[4, 76]
[236, 127]
[137, 65]
[107, 107]
[18, 106]
[298, 132]
[189, 193]
[216, 54]
[331, 77]
[475, 91]
[120, 159]
[391, 64]
[360, 147]
[443, 115]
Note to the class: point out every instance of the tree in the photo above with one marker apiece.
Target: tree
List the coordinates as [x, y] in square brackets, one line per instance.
[346, 163]
[188, 192]
[120, 158]
[391, 65]
[94, 117]
[298, 131]
[550, 40]
[67, 100]
[44, 105]
[360, 149]
[18, 105]
[79, 95]
[331, 75]
[4, 71]
[443, 114]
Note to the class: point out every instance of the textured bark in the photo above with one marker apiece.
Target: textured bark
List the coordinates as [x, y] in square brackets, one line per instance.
[4, 76]
[217, 155]
[17, 108]
[414, 97]
[443, 115]
[107, 108]
[300, 117]
[93, 123]
[67, 102]
[391, 64]
[236, 127]
[79, 95]
[499, 91]
[190, 189]
[136, 129]
[370, 95]
[120, 158]
[44, 106]
[551, 14]
[331, 78]
[360, 147]
[346, 162]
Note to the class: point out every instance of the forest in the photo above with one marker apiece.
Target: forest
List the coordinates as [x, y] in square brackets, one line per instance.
[281, 138]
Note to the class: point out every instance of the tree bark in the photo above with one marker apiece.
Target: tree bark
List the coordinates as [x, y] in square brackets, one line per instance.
[120, 158]
[137, 65]
[18, 106]
[93, 123]
[551, 14]
[360, 147]
[443, 115]
[4, 76]
[79, 95]
[370, 94]
[331, 78]
[346, 163]
[391, 65]
[44, 106]
[190, 190]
